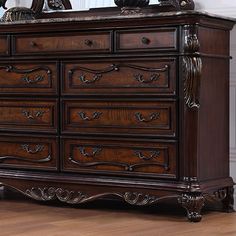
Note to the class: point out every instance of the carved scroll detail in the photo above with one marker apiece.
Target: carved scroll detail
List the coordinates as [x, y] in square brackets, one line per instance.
[192, 72]
[76, 197]
[191, 41]
[193, 203]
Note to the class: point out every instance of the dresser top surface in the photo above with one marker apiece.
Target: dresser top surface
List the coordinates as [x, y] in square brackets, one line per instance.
[118, 16]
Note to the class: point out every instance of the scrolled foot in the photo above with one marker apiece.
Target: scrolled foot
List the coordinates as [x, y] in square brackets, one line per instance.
[193, 203]
[228, 201]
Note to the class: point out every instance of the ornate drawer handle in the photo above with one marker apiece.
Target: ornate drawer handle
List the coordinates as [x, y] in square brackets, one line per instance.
[33, 116]
[38, 78]
[88, 42]
[153, 116]
[95, 151]
[38, 148]
[153, 154]
[96, 115]
[140, 78]
[94, 79]
[145, 40]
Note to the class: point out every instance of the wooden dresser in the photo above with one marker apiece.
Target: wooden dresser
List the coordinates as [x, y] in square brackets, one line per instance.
[131, 107]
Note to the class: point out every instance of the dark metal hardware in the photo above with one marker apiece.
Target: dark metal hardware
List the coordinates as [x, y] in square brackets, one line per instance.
[38, 148]
[37, 79]
[140, 78]
[146, 40]
[32, 116]
[153, 116]
[153, 155]
[95, 151]
[88, 42]
[96, 115]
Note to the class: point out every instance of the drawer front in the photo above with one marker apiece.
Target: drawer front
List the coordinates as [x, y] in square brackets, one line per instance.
[156, 76]
[84, 42]
[28, 116]
[28, 78]
[4, 47]
[126, 118]
[120, 157]
[28, 152]
[146, 40]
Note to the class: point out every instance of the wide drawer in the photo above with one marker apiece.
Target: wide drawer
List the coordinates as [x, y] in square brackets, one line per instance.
[139, 76]
[4, 46]
[25, 115]
[120, 157]
[161, 39]
[127, 117]
[28, 78]
[28, 152]
[59, 43]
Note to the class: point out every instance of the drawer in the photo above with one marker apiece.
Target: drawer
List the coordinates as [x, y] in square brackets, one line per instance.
[134, 158]
[28, 152]
[76, 42]
[25, 115]
[151, 76]
[4, 46]
[161, 39]
[28, 78]
[125, 118]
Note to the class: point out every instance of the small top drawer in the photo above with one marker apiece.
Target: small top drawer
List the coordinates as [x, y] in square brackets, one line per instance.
[84, 42]
[147, 39]
[4, 45]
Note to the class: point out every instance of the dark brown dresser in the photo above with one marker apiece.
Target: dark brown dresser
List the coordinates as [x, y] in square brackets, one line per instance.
[133, 107]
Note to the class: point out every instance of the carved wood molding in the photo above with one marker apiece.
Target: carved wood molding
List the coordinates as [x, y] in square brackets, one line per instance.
[192, 72]
[77, 197]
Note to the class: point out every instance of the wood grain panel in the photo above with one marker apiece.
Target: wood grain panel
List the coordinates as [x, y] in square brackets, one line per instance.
[151, 76]
[157, 159]
[84, 42]
[147, 39]
[126, 118]
[28, 78]
[4, 47]
[28, 152]
[25, 115]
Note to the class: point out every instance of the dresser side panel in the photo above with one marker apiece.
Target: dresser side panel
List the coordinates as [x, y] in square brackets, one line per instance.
[213, 126]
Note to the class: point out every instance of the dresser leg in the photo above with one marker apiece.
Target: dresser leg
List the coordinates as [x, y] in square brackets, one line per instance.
[193, 203]
[228, 201]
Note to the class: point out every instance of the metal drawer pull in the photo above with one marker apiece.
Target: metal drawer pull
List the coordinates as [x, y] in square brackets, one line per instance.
[95, 151]
[96, 115]
[153, 116]
[38, 148]
[93, 80]
[153, 154]
[146, 40]
[37, 79]
[88, 42]
[140, 78]
[33, 44]
[32, 116]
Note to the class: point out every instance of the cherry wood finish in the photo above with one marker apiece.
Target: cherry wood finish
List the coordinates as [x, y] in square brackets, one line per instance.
[85, 42]
[121, 158]
[27, 152]
[146, 39]
[29, 78]
[154, 75]
[128, 118]
[4, 47]
[24, 115]
[132, 107]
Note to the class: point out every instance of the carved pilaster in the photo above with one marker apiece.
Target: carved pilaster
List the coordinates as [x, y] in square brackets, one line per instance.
[192, 71]
[191, 41]
[193, 203]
